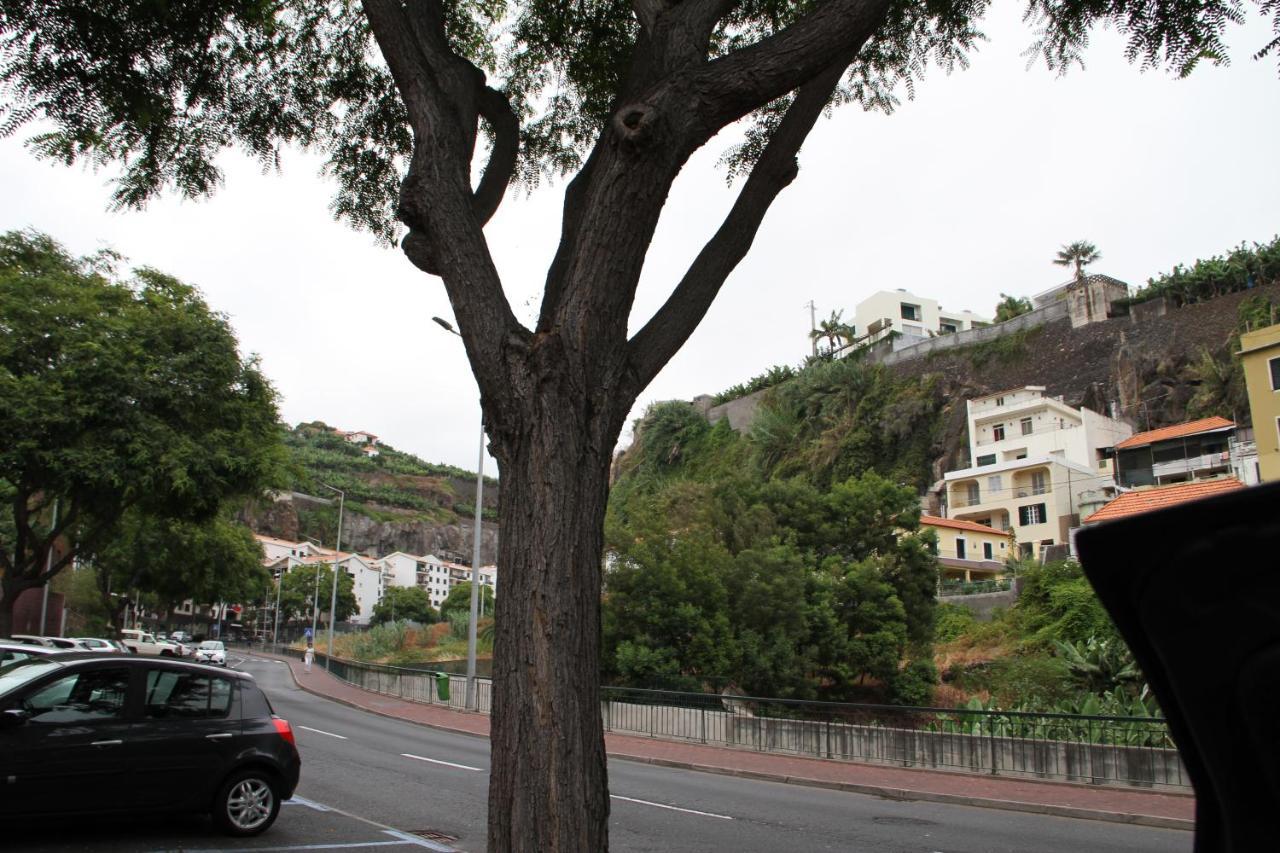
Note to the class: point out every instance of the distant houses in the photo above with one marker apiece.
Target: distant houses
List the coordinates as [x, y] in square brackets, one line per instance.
[372, 576]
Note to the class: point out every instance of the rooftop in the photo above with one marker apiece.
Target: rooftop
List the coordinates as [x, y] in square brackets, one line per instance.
[1143, 439]
[1149, 500]
[957, 524]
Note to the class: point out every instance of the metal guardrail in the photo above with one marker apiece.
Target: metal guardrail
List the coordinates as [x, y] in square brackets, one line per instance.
[1101, 750]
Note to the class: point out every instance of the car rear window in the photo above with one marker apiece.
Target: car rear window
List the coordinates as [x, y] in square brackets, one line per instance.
[254, 702]
[186, 695]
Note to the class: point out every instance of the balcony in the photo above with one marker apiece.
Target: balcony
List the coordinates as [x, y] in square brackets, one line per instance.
[1191, 464]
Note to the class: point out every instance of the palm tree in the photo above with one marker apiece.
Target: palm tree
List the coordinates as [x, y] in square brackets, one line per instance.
[1079, 253]
[834, 331]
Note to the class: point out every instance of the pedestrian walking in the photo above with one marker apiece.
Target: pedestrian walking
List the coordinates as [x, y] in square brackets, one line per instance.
[308, 657]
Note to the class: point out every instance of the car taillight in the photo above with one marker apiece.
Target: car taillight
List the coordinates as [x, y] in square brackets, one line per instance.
[283, 729]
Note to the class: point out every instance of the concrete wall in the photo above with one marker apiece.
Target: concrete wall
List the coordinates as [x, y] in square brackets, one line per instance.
[984, 604]
[1040, 757]
[740, 412]
[1040, 316]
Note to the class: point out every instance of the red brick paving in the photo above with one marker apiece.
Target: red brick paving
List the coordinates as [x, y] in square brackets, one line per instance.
[1124, 805]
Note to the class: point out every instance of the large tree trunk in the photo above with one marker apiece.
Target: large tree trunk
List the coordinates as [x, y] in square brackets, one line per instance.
[550, 792]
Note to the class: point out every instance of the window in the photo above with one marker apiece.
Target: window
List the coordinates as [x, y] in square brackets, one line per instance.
[1038, 483]
[1031, 514]
[1026, 426]
[986, 550]
[995, 485]
[1274, 364]
[989, 459]
[999, 401]
[910, 312]
[186, 695]
[998, 432]
[972, 489]
[959, 549]
[86, 696]
[948, 327]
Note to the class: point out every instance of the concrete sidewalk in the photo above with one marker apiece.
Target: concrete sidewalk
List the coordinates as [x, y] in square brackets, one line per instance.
[1091, 802]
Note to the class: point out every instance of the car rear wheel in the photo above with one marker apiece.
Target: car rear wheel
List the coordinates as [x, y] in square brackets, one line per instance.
[247, 803]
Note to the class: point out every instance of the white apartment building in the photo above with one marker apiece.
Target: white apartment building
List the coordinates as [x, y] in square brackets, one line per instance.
[426, 571]
[915, 318]
[1036, 463]
[281, 556]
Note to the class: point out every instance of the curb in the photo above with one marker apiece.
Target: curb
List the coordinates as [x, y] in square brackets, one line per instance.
[882, 791]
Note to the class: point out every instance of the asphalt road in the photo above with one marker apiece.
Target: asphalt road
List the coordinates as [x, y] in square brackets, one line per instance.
[373, 782]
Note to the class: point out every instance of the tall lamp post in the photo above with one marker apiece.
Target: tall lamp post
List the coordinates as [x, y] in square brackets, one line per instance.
[337, 553]
[475, 554]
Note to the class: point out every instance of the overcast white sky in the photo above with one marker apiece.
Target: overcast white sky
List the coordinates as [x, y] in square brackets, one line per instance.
[962, 194]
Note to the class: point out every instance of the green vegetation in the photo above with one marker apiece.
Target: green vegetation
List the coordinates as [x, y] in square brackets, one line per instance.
[721, 573]
[458, 602]
[773, 376]
[1241, 268]
[1055, 650]
[1011, 306]
[128, 412]
[390, 487]
[404, 604]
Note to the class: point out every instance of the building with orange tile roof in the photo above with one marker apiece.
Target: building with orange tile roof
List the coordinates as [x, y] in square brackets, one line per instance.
[1202, 449]
[1197, 427]
[969, 551]
[1149, 500]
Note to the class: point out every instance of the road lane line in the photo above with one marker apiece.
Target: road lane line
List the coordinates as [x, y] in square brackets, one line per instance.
[353, 845]
[445, 763]
[672, 808]
[322, 732]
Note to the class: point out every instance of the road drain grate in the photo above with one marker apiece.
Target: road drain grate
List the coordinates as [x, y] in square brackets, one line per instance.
[432, 835]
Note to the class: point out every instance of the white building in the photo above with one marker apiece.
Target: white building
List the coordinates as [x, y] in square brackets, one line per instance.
[1037, 463]
[915, 318]
[282, 556]
[426, 571]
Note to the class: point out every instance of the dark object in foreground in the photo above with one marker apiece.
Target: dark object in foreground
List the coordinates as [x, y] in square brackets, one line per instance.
[1195, 590]
[91, 733]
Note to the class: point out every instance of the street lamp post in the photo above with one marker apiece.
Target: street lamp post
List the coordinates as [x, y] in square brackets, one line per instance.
[475, 554]
[337, 554]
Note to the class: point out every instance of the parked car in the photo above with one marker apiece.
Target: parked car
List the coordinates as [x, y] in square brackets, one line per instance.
[213, 652]
[95, 644]
[31, 640]
[145, 643]
[183, 637]
[11, 652]
[84, 733]
[67, 643]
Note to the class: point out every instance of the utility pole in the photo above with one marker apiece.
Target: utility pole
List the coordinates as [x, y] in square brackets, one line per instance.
[48, 564]
[813, 327]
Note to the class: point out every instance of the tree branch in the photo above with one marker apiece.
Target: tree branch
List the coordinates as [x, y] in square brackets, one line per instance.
[664, 334]
[747, 79]
[497, 111]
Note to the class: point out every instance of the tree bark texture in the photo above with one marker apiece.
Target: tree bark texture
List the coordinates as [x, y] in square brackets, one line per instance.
[548, 789]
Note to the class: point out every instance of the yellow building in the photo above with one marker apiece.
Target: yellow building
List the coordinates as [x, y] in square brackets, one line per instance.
[1260, 353]
[969, 551]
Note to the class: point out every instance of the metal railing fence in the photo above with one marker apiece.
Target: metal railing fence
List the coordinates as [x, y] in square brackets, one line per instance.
[1100, 750]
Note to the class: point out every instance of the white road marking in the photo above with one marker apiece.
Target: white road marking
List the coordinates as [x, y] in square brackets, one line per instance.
[353, 845]
[672, 808]
[322, 732]
[295, 800]
[445, 763]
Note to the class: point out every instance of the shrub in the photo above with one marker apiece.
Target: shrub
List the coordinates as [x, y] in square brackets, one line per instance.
[914, 684]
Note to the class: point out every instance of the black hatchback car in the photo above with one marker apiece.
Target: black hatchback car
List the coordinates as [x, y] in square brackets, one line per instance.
[89, 733]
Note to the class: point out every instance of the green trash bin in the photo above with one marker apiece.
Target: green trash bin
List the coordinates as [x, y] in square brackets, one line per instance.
[442, 686]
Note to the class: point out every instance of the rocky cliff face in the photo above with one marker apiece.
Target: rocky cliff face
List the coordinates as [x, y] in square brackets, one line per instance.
[285, 518]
